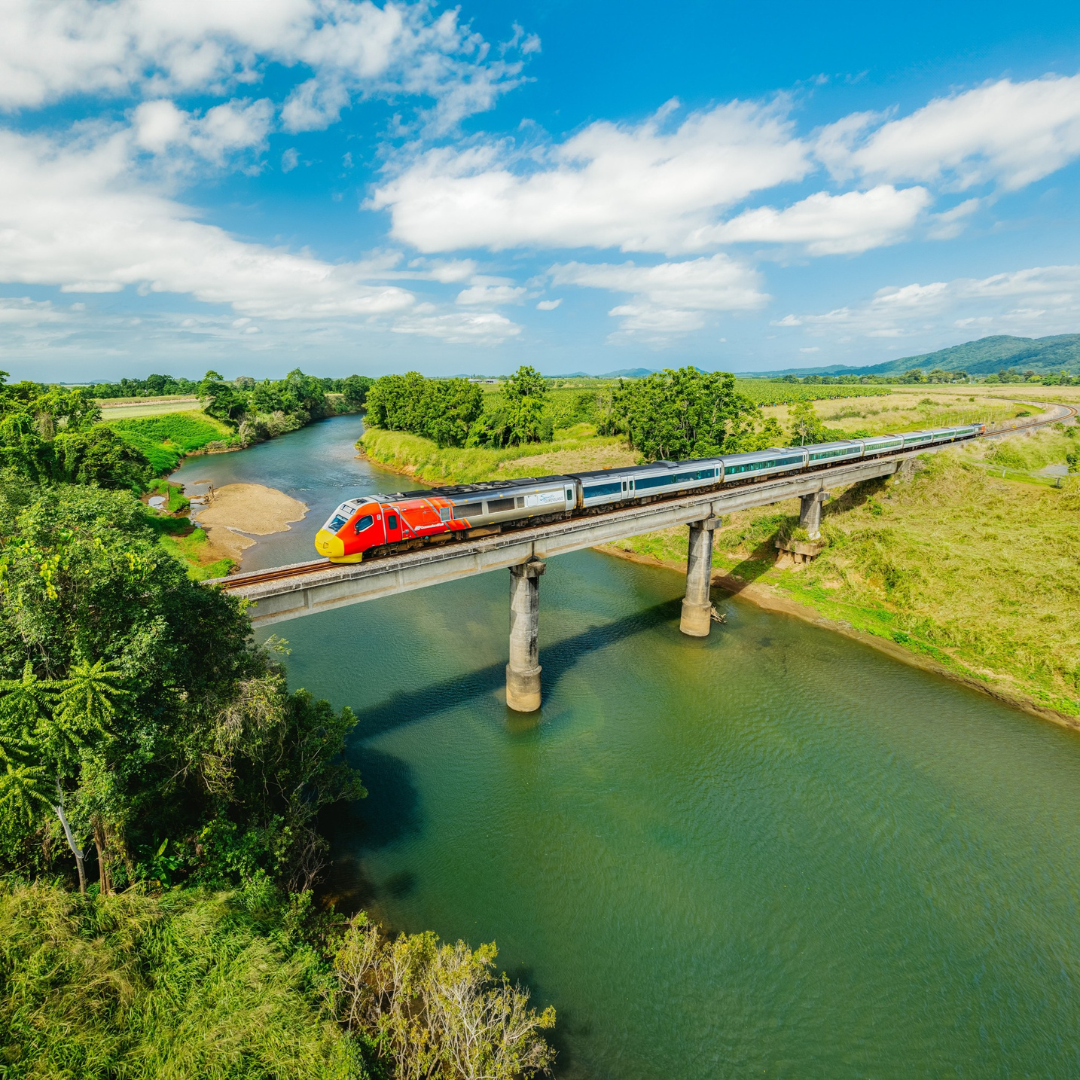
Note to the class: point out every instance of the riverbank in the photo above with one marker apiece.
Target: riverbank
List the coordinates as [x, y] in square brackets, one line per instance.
[957, 570]
[769, 598]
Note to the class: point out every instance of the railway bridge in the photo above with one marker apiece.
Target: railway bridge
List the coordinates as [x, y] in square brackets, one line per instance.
[289, 592]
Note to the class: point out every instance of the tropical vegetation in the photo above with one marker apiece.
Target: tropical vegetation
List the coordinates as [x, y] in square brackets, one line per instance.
[160, 793]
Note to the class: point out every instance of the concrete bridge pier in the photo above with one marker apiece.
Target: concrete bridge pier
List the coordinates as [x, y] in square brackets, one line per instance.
[810, 513]
[696, 606]
[523, 671]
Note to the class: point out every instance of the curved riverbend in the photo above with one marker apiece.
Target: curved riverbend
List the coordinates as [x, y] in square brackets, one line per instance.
[772, 852]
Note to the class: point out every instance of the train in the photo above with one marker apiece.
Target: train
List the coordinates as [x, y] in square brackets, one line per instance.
[380, 524]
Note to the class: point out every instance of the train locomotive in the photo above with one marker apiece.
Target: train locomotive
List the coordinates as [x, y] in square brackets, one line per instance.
[376, 524]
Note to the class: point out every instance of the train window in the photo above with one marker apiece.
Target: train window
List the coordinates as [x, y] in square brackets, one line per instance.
[569, 494]
[445, 513]
[499, 506]
[391, 521]
[654, 481]
[334, 524]
[597, 491]
[363, 523]
[469, 509]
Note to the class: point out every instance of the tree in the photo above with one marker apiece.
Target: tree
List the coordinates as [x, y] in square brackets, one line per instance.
[140, 692]
[806, 425]
[686, 413]
[438, 1011]
[523, 401]
[440, 409]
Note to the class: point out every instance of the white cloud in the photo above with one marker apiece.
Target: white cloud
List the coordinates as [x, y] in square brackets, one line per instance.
[54, 48]
[473, 327]
[161, 128]
[23, 311]
[638, 188]
[1037, 301]
[548, 305]
[669, 298]
[718, 283]
[830, 224]
[70, 216]
[1007, 133]
[490, 295]
[290, 159]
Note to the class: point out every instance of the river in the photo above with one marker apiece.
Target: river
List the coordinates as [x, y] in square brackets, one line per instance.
[773, 852]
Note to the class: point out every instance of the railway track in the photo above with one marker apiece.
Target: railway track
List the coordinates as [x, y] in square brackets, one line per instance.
[243, 581]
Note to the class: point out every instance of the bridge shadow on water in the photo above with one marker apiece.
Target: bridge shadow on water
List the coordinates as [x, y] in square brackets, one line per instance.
[557, 660]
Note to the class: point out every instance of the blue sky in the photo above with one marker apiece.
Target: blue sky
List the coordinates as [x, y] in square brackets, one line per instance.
[257, 185]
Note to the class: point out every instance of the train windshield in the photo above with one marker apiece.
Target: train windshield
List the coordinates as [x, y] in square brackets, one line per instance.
[339, 517]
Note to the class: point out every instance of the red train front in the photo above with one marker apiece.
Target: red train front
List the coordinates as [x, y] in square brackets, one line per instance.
[359, 525]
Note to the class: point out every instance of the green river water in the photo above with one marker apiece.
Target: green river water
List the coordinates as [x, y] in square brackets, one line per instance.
[774, 852]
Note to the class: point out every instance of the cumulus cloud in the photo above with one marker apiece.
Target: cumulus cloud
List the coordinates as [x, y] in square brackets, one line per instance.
[635, 187]
[1040, 300]
[548, 305]
[490, 295]
[830, 224]
[162, 128]
[1006, 133]
[54, 48]
[669, 298]
[71, 216]
[464, 328]
[666, 187]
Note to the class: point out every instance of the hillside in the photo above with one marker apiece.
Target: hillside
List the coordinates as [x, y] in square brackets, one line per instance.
[986, 356]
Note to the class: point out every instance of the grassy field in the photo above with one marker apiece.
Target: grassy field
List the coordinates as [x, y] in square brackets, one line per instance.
[577, 448]
[909, 409]
[134, 408]
[188, 543]
[977, 572]
[165, 439]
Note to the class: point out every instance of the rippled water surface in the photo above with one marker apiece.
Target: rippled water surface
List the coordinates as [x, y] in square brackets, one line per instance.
[770, 853]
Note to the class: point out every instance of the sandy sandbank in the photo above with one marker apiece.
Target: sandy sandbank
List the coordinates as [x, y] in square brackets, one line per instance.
[254, 509]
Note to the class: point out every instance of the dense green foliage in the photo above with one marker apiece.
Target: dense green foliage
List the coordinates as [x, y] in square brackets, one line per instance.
[686, 414]
[51, 433]
[442, 410]
[516, 415]
[136, 696]
[164, 440]
[353, 387]
[190, 985]
[260, 410]
[246, 985]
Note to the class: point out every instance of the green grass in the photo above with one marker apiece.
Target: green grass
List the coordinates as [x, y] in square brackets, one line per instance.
[576, 448]
[187, 542]
[174, 492]
[190, 549]
[165, 439]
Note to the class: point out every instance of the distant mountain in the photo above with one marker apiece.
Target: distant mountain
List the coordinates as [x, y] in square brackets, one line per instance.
[628, 373]
[987, 356]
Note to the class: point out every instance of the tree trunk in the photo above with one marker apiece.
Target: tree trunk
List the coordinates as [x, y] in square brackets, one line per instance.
[102, 847]
[75, 849]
